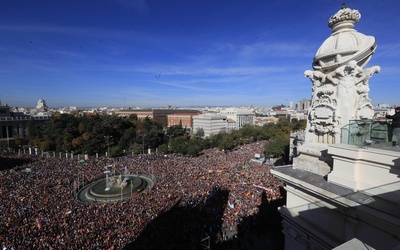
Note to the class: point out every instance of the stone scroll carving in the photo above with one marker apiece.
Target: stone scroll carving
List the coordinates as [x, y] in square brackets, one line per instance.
[337, 98]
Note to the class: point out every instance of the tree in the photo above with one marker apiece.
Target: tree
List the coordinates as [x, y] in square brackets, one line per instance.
[163, 148]
[193, 147]
[122, 144]
[226, 142]
[3, 146]
[199, 133]
[88, 134]
[133, 118]
[298, 124]
[77, 142]
[33, 130]
[45, 145]
[178, 145]
[176, 130]
[115, 151]
[276, 147]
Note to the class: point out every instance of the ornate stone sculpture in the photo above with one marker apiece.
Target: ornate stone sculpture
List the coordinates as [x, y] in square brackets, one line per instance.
[340, 81]
[117, 181]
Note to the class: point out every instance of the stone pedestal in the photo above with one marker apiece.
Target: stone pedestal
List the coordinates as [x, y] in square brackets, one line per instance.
[365, 168]
[313, 158]
[359, 199]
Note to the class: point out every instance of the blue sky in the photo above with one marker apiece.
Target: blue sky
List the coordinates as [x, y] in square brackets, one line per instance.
[154, 53]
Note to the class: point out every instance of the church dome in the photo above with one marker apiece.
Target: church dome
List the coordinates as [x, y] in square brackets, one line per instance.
[345, 43]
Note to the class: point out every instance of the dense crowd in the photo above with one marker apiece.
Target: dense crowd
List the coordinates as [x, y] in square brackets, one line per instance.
[38, 209]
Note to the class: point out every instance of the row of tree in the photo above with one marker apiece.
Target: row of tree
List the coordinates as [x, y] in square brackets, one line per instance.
[118, 135]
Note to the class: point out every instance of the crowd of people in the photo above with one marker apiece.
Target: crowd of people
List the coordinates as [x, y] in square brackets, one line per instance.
[39, 209]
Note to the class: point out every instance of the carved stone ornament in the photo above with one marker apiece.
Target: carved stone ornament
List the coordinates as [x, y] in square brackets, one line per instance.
[340, 83]
[345, 14]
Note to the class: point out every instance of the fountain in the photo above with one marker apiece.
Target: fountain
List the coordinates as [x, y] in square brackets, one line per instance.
[114, 188]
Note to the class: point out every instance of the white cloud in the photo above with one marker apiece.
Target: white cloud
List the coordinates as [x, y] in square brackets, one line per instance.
[275, 49]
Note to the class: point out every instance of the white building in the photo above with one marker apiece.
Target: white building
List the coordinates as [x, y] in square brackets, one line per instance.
[303, 105]
[41, 105]
[210, 123]
[230, 124]
[240, 116]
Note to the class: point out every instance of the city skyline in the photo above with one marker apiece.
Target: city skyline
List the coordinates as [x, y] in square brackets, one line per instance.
[179, 53]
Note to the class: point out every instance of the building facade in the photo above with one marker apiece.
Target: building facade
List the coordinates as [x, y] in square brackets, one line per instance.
[240, 116]
[15, 124]
[210, 123]
[303, 105]
[41, 106]
[183, 117]
[166, 117]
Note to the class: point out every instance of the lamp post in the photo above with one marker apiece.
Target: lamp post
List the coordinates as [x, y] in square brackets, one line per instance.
[143, 136]
[121, 191]
[8, 139]
[169, 138]
[108, 144]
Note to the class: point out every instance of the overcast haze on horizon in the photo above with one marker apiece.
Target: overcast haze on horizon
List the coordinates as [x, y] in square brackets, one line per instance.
[155, 53]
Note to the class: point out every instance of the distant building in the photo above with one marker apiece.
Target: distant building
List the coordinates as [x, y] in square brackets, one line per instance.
[140, 113]
[41, 106]
[298, 116]
[282, 114]
[15, 124]
[210, 123]
[261, 121]
[230, 124]
[383, 106]
[182, 117]
[240, 116]
[303, 105]
[166, 117]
